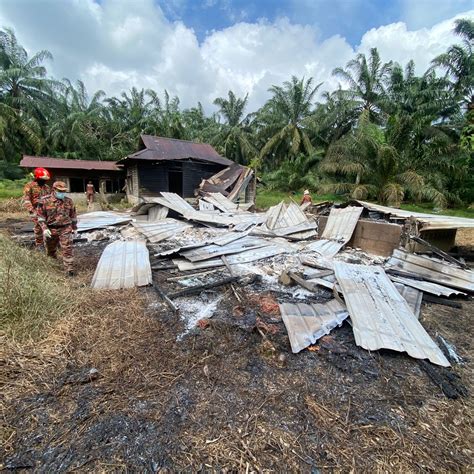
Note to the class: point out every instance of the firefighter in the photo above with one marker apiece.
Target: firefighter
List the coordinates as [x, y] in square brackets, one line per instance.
[57, 217]
[32, 193]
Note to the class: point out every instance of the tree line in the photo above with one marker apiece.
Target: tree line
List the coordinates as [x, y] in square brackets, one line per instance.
[386, 133]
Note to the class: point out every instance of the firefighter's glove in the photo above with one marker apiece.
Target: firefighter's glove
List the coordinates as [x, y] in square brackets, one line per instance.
[47, 234]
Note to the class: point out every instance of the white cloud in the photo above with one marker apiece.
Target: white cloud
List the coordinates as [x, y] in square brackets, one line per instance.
[395, 42]
[118, 44]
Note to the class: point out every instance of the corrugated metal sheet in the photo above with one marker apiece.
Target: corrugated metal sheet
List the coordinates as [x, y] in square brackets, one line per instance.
[54, 163]
[427, 286]
[161, 148]
[341, 224]
[380, 316]
[306, 323]
[325, 248]
[212, 251]
[123, 264]
[433, 270]
[288, 220]
[429, 221]
[412, 296]
[221, 202]
[161, 230]
[178, 202]
[157, 213]
[243, 257]
[100, 219]
[205, 206]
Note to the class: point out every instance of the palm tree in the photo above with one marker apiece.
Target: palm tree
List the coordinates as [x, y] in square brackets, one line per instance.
[374, 168]
[23, 82]
[234, 138]
[73, 131]
[283, 120]
[458, 61]
[365, 80]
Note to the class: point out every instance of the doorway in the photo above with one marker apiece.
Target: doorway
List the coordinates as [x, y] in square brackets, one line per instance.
[175, 182]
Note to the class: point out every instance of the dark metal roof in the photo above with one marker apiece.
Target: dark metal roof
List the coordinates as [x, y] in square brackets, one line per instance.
[61, 163]
[160, 148]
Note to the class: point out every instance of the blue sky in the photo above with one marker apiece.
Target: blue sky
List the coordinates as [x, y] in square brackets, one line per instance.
[199, 50]
[348, 18]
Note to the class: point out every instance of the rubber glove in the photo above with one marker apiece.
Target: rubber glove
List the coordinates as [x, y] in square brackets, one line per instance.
[47, 234]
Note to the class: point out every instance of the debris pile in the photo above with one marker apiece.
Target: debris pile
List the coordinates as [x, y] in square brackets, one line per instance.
[217, 256]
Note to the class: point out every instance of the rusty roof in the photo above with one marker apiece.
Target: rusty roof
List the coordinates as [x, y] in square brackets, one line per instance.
[62, 163]
[161, 148]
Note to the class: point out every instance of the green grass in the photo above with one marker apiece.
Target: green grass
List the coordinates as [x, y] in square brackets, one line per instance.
[428, 209]
[11, 189]
[267, 198]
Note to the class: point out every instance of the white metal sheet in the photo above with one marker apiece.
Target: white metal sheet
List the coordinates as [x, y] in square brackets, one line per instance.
[205, 206]
[306, 323]
[429, 221]
[157, 213]
[436, 271]
[380, 316]
[100, 219]
[412, 296]
[427, 286]
[325, 248]
[161, 230]
[178, 202]
[341, 223]
[211, 251]
[221, 202]
[123, 264]
[243, 257]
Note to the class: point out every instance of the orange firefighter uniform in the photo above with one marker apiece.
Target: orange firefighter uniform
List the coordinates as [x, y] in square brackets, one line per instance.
[58, 219]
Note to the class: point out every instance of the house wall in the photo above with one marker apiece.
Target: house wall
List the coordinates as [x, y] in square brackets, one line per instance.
[153, 176]
[378, 238]
[133, 184]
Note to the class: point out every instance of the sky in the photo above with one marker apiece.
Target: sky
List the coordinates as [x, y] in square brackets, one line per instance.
[199, 50]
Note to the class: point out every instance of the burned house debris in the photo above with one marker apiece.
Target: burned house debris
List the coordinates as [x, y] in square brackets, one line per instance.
[198, 249]
[183, 167]
[106, 176]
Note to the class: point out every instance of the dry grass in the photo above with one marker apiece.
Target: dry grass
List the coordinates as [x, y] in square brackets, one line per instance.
[32, 291]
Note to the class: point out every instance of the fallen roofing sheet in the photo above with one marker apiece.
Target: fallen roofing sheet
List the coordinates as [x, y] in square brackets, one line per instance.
[306, 323]
[380, 316]
[211, 251]
[243, 257]
[325, 248]
[428, 221]
[100, 219]
[288, 220]
[241, 184]
[123, 264]
[221, 202]
[160, 230]
[178, 202]
[412, 296]
[341, 224]
[205, 206]
[427, 286]
[433, 270]
[157, 213]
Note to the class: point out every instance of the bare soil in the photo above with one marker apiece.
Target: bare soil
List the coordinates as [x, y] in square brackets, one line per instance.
[229, 395]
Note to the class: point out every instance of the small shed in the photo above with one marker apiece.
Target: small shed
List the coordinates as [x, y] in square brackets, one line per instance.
[106, 176]
[170, 165]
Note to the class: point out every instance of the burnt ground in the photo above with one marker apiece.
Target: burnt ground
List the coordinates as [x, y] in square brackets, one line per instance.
[226, 395]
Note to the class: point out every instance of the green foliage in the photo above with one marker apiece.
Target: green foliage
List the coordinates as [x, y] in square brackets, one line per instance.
[268, 197]
[11, 188]
[386, 133]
